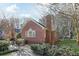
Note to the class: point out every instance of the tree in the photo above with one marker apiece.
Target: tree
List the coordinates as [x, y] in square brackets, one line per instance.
[7, 25]
[65, 9]
[48, 22]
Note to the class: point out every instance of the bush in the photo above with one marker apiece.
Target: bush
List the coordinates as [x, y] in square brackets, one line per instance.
[4, 45]
[25, 41]
[62, 51]
[18, 35]
[7, 51]
[48, 50]
[20, 41]
[40, 49]
[2, 39]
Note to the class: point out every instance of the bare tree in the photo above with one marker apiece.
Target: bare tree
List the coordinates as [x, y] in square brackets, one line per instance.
[66, 9]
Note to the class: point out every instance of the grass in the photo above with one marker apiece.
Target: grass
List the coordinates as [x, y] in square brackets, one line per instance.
[71, 43]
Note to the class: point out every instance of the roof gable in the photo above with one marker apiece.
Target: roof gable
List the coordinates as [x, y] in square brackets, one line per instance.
[34, 21]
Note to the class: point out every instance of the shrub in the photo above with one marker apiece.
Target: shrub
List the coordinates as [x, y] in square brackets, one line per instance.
[4, 45]
[64, 51]
[20, 41]
[25, 41]
[48, 50]
[7, 51]
[2, 39]
[40, 49]
[18, 35]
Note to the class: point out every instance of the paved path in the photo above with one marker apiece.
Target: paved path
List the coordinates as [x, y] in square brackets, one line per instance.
[23, 51]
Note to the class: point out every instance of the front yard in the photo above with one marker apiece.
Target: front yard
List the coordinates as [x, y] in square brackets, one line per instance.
[64, 47]
[70, 43]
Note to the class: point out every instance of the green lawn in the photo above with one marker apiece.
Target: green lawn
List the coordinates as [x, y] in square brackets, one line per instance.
[71, 43]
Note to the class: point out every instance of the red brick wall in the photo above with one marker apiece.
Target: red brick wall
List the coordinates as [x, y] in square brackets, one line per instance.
[40, 33]
[54, 37]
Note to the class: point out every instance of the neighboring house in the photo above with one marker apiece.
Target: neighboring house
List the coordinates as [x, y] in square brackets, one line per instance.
[1, 33]
[17, 30]
[33, 32]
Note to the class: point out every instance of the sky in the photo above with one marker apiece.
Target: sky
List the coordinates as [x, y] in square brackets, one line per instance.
[20, 10]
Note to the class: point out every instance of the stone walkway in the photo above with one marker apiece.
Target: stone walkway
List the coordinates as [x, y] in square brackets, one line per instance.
[23, 51]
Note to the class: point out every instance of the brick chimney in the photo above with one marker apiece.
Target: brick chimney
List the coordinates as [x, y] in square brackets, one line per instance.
[51, 35]
[48, 26]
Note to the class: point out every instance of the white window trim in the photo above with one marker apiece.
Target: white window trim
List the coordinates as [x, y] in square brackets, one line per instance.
[33, 34]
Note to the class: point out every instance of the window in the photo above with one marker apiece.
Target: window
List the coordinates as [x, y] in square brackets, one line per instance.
[31, 33]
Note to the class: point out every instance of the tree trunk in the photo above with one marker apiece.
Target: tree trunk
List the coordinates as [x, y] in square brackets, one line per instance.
[76, 30]
[78, 38]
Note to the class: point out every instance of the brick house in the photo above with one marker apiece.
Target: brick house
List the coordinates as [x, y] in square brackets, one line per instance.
[33, 32]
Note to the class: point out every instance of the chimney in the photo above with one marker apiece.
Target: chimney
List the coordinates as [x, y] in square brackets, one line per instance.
[49, 29]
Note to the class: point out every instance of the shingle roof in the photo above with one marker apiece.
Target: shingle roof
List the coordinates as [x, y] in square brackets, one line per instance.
[41, 25]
